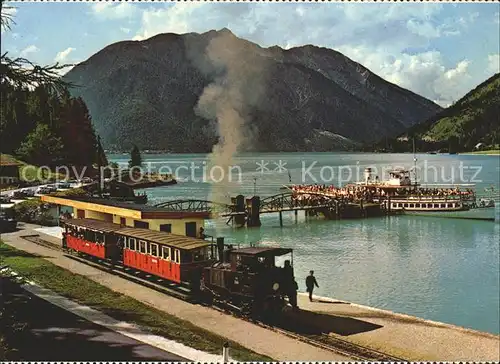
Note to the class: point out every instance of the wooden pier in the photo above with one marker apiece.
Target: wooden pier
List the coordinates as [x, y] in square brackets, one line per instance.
[246, 211]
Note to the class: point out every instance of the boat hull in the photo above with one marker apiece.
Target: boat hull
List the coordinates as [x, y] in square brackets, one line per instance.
[480, 213]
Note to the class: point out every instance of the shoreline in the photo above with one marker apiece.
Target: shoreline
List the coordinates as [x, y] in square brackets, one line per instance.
[408, 317]
[396, 334]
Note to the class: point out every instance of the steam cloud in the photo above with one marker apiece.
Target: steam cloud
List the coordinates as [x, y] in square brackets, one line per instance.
[228, 101]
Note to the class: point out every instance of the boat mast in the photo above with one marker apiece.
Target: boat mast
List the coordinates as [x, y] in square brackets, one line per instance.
[414, 162]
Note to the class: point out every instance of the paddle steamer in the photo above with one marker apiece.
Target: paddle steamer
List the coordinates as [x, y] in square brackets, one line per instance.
[400, 194]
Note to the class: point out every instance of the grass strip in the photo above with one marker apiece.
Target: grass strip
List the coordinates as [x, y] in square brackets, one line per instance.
[121, 307]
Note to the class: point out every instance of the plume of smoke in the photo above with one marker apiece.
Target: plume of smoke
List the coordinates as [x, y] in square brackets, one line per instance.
[229, 100]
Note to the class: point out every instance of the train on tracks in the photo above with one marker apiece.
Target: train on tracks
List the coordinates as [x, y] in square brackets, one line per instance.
[247, 279]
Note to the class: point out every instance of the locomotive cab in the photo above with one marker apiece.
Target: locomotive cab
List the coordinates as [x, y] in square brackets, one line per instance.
[250, 279]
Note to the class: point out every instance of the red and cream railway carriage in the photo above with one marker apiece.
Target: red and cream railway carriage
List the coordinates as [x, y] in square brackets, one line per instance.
[246, 278]
[173, 257]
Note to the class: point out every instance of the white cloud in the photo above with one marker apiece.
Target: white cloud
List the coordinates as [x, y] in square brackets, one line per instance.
[178, 18]
[62, 56]
[423, 73]
[110, 10]
[28, 50]
[125, 30]
[494, 63]
[378, 36]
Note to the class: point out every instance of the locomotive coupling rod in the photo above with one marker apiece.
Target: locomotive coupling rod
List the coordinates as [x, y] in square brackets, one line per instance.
[225, 352]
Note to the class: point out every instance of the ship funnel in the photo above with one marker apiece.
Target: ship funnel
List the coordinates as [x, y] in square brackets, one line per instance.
[368, 175]
[220, 249]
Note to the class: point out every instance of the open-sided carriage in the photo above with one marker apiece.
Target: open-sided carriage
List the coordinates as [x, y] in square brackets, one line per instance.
[173, 257]
[246, 278]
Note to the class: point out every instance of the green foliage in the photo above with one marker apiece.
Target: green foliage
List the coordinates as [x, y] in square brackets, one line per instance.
[135, 157]
[27, 211]
[473, 119]
[42, 121]
[41, 146]
[33, 211]
[44, 129]
[71, 192]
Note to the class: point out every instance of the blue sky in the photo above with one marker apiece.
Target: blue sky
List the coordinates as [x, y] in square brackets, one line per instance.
[440, 51]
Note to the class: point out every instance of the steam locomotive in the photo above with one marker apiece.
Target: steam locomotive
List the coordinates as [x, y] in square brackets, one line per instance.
[247, 279]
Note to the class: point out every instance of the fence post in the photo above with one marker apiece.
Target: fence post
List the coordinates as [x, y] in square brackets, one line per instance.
[225, 352]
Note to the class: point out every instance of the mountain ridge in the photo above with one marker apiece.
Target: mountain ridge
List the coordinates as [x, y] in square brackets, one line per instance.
[472, 120]
[155, 85]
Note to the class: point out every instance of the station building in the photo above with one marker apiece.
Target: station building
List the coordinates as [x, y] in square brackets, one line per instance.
[132, 215]
[9, 169]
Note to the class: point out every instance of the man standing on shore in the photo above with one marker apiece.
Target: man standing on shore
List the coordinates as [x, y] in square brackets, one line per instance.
[310, 283]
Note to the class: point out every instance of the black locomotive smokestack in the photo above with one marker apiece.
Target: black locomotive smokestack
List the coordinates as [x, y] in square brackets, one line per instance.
[220, 249]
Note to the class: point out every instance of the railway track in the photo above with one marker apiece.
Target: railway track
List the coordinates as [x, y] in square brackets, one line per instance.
[323, 341]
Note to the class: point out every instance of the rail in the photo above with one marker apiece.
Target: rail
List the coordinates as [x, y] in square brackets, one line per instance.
[326, 342]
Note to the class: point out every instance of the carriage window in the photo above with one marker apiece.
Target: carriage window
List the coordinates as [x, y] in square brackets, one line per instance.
[400, 205]
[99, 238]
[153, 249]
[436, 205]
[443, 205]
[200, 254]
[166, 252]
[177, 256]
[394, 205]
[412, 205]
[131, 244]
[449, 205]
[89, 235]
[142, 246]
[418, 205]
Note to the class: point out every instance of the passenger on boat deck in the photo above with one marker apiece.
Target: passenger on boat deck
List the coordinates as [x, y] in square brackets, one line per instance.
[317, 194]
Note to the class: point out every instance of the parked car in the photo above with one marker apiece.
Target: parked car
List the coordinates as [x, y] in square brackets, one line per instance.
[19, 195]
[52, 188]
[29, 192]
[44, 190]
[63, 185]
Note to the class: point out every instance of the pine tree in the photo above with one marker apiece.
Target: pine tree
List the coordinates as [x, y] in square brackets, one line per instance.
[135, 157]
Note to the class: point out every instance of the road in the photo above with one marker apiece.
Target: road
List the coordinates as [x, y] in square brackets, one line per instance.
[55, 334]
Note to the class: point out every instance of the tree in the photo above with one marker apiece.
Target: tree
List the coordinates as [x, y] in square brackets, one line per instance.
[41, 147]
[135, 158]
[22, 73]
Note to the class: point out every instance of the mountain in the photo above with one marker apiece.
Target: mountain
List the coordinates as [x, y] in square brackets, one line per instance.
[181, 92]
[471, 120]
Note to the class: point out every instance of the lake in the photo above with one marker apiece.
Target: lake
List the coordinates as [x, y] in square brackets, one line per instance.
[439, 269]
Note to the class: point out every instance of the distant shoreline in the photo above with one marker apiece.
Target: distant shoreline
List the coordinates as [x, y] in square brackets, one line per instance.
[495, 152]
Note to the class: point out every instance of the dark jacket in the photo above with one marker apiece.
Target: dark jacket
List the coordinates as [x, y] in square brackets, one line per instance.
[311, 282]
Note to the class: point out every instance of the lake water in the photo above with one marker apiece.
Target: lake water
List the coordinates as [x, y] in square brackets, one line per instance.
[440, 269]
